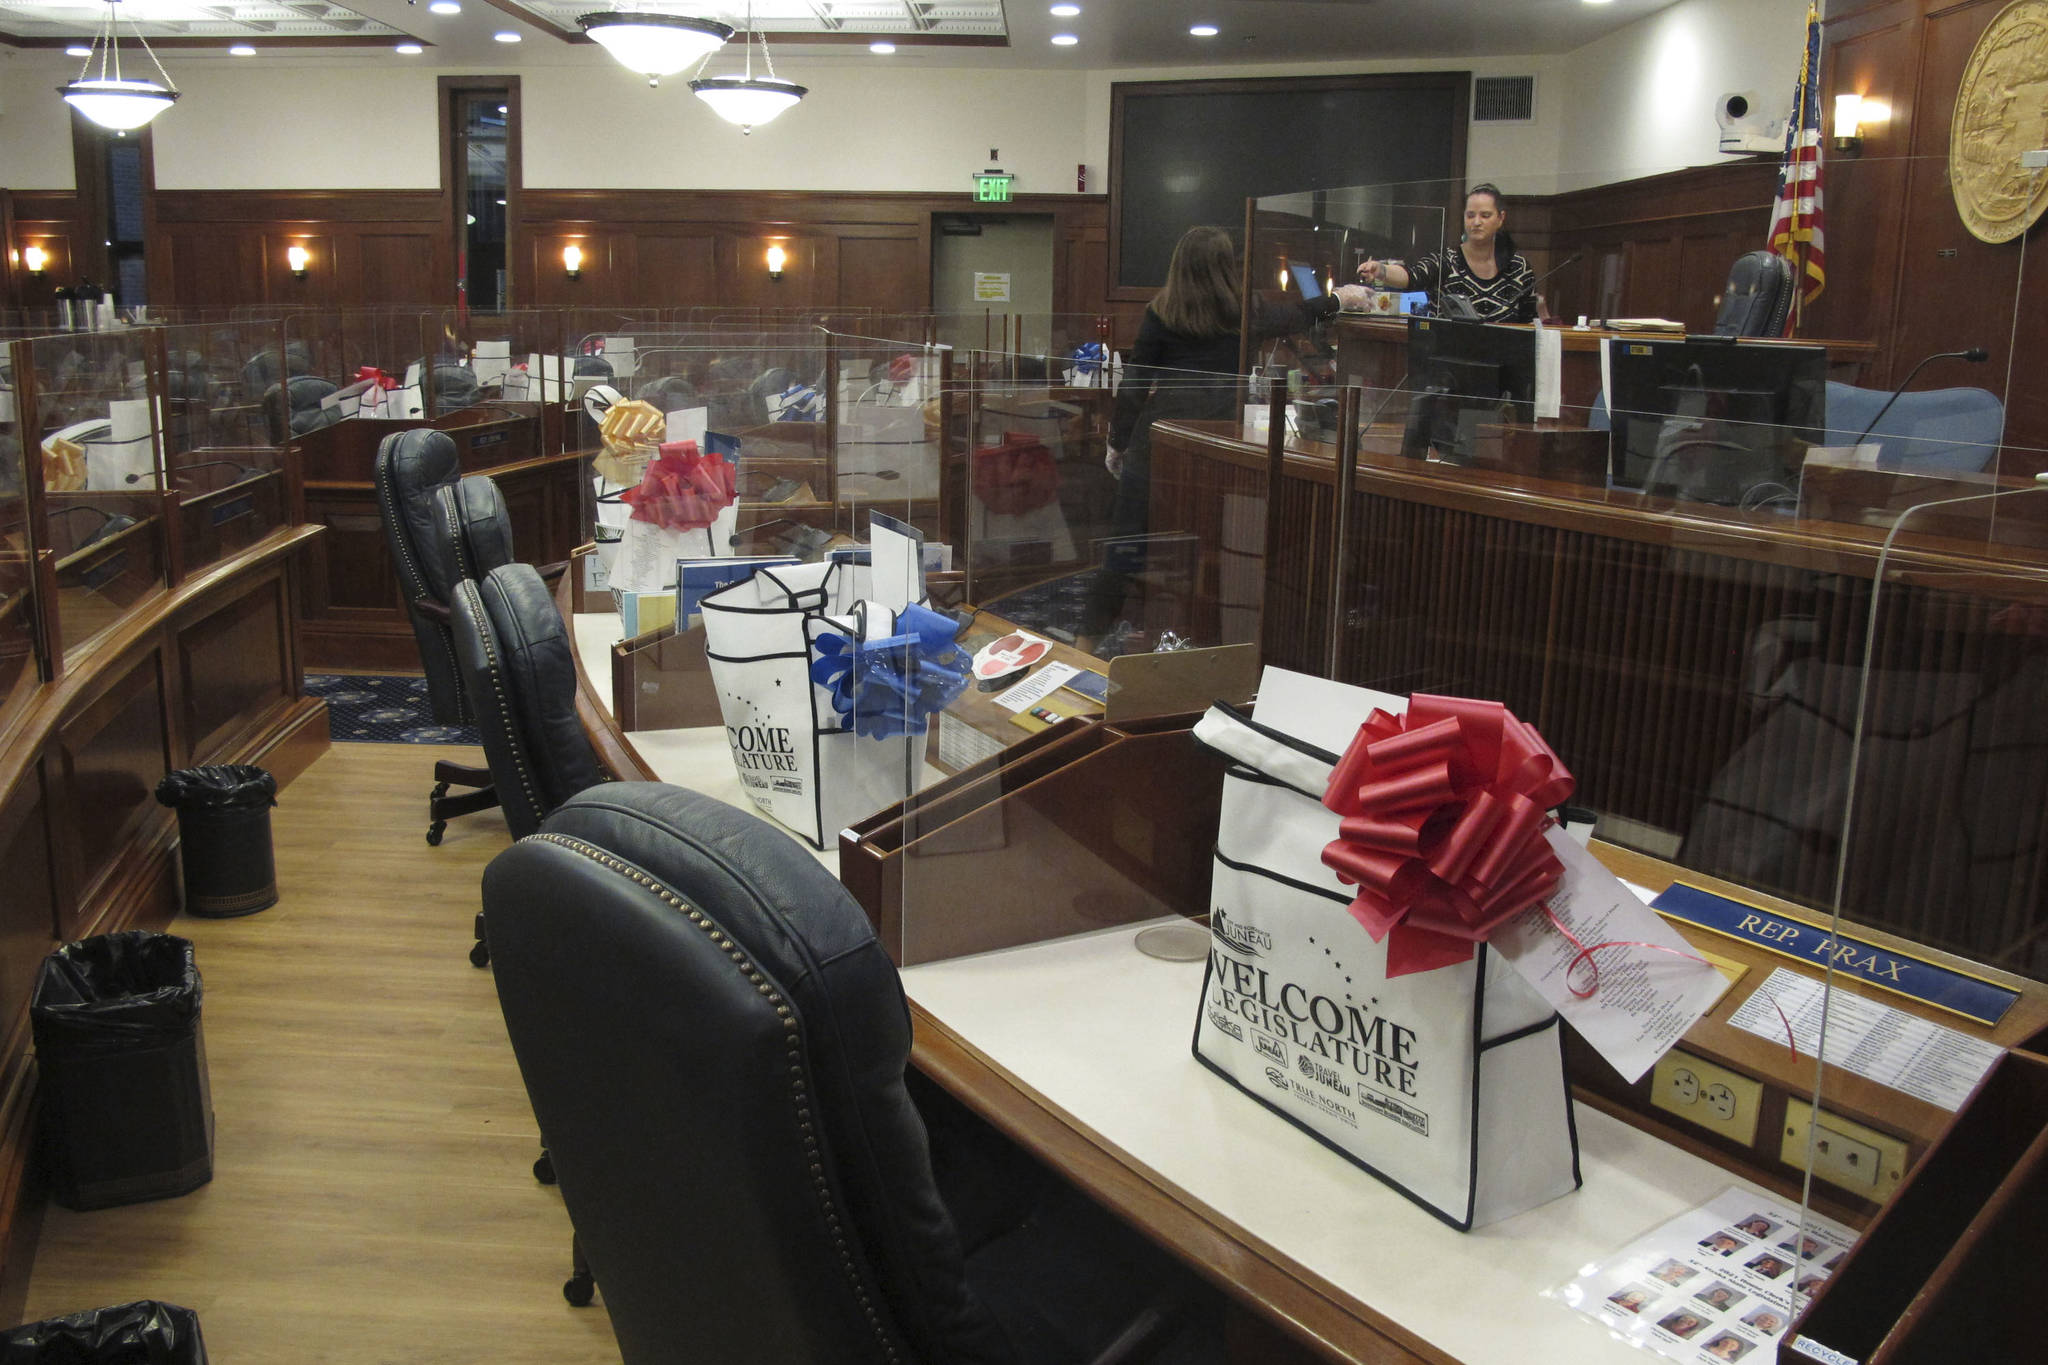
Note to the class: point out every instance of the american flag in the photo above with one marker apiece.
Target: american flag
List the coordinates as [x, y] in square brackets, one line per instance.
[1797, 219]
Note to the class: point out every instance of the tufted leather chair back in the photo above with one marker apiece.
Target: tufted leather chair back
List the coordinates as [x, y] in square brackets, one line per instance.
[433, 548]
[715, 1044]
[519, 674]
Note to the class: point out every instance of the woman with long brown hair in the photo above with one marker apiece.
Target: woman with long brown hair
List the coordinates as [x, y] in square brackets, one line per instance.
[1183, 365]
[1189, 337]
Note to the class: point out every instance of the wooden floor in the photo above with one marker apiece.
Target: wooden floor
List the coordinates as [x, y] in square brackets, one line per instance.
[372, 1198]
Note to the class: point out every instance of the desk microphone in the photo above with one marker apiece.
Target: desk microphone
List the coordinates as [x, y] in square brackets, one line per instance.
[1569, 260]
[1975, 355]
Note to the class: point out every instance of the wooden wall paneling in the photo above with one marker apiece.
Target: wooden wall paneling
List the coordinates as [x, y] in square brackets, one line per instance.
[395, 266]
[51, 219]
[679, 268]
[350, 593]
[1954, 290]
[892, 274]
[109, 756]
[233, 669]
[28, 913]
[1873, 52]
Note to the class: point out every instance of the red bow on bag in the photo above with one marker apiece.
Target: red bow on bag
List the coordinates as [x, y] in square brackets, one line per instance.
[683, 488]
[384, 381]
[1443, 811]
[1015, 477]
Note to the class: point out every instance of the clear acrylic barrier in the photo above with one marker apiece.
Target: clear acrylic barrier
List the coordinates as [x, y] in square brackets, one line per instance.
[228, 482]
[93, 403]
[1935, 751]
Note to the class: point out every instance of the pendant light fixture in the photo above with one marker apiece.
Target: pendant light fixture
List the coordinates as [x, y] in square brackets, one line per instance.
[110, 99]
[749, 100]
[655, 45]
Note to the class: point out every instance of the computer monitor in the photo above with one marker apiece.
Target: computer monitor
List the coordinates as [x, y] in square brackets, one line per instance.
[1464, 373]
[1305, 280]
[1708, 419]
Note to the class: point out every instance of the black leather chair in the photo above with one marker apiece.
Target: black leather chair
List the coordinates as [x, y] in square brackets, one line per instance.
[293, 408]
[433, 547]
[716, 1046]
[519, 672]
[1757, 296]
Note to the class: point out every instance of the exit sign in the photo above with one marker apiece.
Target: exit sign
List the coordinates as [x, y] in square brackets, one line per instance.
[992, 187]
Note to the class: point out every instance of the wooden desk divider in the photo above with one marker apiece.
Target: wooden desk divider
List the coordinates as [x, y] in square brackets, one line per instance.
[1084, 825]
[662, 681]
[1951, 1269]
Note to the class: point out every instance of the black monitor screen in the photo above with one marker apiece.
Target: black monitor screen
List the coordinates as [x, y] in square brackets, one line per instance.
[1463, 373]
[1186, 153]
[1711, 420]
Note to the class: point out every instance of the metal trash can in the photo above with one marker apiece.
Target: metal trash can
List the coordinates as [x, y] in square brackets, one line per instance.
[224, 837]
[126, 1113]
[160, 1333]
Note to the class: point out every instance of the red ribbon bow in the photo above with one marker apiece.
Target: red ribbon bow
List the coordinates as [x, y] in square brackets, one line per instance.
[1443, 811]
[683, 488]
[384, 381]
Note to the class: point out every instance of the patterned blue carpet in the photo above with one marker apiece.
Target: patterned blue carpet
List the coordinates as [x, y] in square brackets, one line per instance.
[371, 709]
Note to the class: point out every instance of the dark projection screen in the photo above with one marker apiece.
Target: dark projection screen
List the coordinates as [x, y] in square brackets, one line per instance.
[1184, 153]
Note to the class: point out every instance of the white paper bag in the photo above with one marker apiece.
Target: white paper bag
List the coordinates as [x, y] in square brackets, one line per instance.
[1449, 1084]
[793, 760]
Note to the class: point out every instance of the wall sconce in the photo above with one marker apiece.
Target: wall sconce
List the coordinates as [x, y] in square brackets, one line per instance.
[572, 261]
[35, 258]
[1849, 123]
[777, 257]
[298, 258]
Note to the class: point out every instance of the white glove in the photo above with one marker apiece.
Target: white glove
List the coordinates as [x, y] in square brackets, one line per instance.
[1113, 461]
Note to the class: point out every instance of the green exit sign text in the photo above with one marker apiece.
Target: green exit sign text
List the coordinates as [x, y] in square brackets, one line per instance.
[992, 189]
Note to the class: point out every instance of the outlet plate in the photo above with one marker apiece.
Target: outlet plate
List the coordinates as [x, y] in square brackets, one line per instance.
[1725, 1103]
[1846, 1153]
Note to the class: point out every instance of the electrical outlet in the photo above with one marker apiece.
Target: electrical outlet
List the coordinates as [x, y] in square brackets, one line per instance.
[1845, 1153]
[1721, 1101]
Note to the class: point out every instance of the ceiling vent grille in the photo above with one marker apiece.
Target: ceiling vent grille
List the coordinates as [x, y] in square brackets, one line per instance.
[1504, 99]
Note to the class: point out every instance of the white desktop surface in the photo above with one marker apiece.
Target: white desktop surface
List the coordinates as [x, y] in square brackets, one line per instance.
[1103, 1035]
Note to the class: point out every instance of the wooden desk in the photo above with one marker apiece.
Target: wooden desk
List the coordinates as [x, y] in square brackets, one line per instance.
[1303, 1239]
[1700, 666]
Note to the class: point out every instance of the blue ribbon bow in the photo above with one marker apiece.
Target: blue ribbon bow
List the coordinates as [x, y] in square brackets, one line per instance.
[890, 686]
[1089, 357]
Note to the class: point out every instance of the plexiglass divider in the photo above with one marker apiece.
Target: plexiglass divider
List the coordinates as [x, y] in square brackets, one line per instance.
[93, 405]
[229, 485]
[22, 661]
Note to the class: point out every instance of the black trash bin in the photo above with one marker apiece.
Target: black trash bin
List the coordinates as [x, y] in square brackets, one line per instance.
[224, 836]
[146, 1332]
[126, 1114]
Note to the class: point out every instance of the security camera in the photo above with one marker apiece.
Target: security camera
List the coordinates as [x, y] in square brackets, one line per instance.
[1734, 108]
[1745, 128]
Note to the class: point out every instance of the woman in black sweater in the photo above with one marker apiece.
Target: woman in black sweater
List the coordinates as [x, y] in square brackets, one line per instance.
[1482, 268]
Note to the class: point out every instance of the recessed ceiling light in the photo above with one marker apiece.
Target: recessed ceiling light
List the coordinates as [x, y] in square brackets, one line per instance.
[241, 50]
[444, 7]
[1597, 2]
[78, 52]
[408, 49]
[507, 36]
[881, 49]
[1203, 30]
[1065, 11]
[1064, 40]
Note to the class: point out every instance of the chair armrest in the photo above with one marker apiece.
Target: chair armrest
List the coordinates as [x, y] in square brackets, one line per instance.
[432, 610]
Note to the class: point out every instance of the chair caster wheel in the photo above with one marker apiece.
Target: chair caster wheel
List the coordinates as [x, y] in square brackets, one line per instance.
[579, 1290]
[434, 833]
[544, 1169]
[480, 955]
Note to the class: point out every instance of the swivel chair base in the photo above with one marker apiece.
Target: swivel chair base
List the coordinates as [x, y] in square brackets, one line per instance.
[441, 807]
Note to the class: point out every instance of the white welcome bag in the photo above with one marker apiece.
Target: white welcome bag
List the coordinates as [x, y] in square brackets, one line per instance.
[1447, 1084]
[793, 758]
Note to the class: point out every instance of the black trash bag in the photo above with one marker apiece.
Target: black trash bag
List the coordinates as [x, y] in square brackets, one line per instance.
[146, 1332]
[223, 786]
[115, 992]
